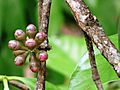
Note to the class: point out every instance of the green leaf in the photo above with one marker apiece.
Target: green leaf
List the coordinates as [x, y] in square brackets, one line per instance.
[81, 77]
[11, 16]
[29, 82]
[106, 13]
[65, 51]
[50, 86]
[112, 85]
[56, 17]
[63, 57]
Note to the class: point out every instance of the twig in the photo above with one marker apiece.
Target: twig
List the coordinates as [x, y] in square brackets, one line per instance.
[18, 85]
[40, 84]
[95, 74]
[43, 21]
[91, 26]
[43, 14]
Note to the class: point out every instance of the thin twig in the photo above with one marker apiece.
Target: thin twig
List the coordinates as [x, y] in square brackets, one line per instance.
[90, 25]
[43, 14]
[18, 85]
[43, 21]
[95, 74]
[40, 84]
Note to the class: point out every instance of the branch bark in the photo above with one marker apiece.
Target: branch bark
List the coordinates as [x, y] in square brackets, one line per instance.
[18, 85]
[95, 74]
[43, 14]
[43, 21]
[91, 26]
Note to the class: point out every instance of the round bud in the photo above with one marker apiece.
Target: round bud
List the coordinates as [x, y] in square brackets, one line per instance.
[42, 56]
[31, 30]
[19, 34]
[13, 45]
[19, 60]
[34, 65]
[40, 37]
[30, 43]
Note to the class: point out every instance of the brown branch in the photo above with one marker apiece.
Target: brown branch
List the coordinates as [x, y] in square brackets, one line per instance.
[43, 14]
[91, 26]
[95, 74]
[40, 84]
[43, 21]
[18, 85]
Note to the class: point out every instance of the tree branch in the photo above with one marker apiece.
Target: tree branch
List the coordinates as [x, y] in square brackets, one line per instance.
[91, 26]
[18, 85]
[43, 21]
[95, 74]
[43, 14]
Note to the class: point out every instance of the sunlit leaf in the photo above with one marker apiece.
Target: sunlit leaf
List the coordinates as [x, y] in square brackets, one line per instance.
[81, 77]
[31, 82]
[106, 13]
[64, 55]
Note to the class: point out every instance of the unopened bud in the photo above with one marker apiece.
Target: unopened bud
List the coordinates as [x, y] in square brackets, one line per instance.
[30, 43]
[20, 59]
[19, 34]
[34, 65]
[13, 45]
[40, 37]
[31, 30]
[42, 56]
[18, 52]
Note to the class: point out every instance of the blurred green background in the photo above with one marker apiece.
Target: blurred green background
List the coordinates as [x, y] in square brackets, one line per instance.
[68, 45]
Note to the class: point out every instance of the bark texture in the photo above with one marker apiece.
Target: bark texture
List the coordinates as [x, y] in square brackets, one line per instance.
[43, 21]
[95, 74]
[19, 85]
[94, 30]
[43, 14]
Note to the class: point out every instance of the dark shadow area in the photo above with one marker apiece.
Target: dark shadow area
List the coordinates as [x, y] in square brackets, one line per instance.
[1, 86]
[55, 77]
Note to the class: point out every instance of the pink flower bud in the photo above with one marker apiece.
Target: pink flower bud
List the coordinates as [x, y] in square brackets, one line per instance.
[19, 34]
[34, 64]
[31, 30]
[13, 45]
[40, 37]
[30, 43]
[19, 60]
[42, 56]
[34, 67]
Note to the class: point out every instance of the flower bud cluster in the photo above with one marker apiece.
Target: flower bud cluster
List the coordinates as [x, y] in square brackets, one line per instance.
[28, 44]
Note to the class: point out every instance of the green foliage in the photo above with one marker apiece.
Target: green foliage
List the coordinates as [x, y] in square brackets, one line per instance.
[56, 17]
[81, 77]
[64, 61]
[67, 51]
[107, 14]
[30, 82]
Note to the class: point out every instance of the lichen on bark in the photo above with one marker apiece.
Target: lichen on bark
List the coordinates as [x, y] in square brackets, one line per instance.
[89, 24]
